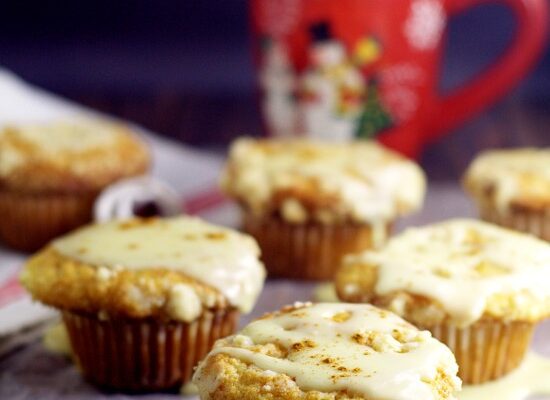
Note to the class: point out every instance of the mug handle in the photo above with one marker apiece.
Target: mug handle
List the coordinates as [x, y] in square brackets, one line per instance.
[502, 75]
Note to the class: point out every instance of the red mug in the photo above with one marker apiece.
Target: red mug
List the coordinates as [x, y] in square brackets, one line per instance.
[339, 69]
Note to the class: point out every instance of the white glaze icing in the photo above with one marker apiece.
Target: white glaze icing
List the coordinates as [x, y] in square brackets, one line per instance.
[461, 264]
[352, 347]
[512, 174]
[367, 182]
[325, 293]
[531, 378]
[56, 340]
[188, 389]
[219, 257]
[51, 139]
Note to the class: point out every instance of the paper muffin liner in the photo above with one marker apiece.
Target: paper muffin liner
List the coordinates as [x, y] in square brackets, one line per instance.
[29, 221]
[310, 251]
[487, 350]
[533, 222]
[144, 355]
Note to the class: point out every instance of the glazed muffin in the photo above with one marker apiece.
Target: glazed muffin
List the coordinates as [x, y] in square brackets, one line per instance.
[328, 351]
[309, 203]
[51, 173]
[143, 300]
[512, 188]
[478, 288]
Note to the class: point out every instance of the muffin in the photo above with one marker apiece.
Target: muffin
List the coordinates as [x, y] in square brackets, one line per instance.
[328, 351]
[478, 288]
[51, 173]
[143, 300]
[308, 202]
[512, 189]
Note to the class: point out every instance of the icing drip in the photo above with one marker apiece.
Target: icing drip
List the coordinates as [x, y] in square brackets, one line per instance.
[56, 340]
[325, 293]
[531, 378]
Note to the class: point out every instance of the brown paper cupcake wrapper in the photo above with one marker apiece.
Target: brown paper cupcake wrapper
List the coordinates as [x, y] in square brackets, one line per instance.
[309, 251]
[144, 355]
[486, 350]
[535, 223]
[29, 221]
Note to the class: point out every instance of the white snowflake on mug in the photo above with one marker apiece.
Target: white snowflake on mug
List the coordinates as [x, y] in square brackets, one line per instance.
[279, 17]
[425, 24]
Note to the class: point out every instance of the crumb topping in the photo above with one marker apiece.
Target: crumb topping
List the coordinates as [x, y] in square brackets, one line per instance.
[325, 182]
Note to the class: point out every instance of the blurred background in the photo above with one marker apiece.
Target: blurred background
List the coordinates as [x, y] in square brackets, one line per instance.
[183, 68]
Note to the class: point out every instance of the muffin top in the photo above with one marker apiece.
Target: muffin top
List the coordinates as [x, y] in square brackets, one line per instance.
[300, 180]
[458, 271]
[80, 155]
[329, 351]
[511, 178]
[169, 268]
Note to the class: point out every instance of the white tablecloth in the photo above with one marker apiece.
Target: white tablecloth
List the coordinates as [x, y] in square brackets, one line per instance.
[29, 372]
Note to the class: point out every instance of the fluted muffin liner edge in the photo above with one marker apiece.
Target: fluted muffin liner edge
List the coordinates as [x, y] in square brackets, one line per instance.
[536, 223]
[29, 220]
[309, 251]
[486, 350]
[144, 355]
